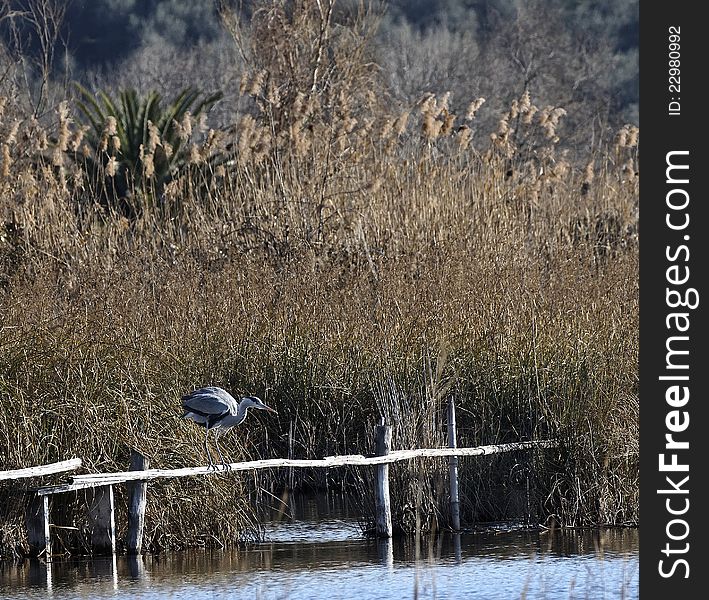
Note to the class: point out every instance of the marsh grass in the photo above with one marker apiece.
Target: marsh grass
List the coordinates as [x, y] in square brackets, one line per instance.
[343, 263]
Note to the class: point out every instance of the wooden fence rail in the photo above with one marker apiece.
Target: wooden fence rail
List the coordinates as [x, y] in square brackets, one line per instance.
[50, 469]
[101, 497]
[99, 479]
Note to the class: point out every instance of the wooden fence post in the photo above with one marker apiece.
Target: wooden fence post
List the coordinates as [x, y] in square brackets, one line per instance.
[137, 500]
[453, 468]
[102, 519]
[37, 523]
[383, 503]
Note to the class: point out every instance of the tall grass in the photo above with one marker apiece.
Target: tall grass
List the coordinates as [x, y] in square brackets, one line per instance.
[343, 263]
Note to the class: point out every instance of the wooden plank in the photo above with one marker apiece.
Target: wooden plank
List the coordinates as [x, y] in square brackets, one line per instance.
[98, 479]
[453, 468]
[37, 516]
[102, 520]
[382, 500]
[137, 500]
[38, 471]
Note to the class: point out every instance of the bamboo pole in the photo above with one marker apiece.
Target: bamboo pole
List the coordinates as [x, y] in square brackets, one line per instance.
[453, 468]
[382, 500]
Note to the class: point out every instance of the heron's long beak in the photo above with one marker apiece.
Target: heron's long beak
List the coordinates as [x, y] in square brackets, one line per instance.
[269, 409]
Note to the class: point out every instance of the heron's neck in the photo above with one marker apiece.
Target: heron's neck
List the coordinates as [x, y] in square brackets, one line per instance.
[240, 413]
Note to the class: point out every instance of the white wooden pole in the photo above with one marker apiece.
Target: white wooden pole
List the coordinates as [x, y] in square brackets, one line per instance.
[383, 502]
[453, 468]
[137, 501]
[37, 518]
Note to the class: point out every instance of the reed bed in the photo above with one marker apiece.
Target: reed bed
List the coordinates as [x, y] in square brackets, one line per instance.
[342, 263]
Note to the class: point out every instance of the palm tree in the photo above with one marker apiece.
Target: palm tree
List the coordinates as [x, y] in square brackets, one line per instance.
[135, 146]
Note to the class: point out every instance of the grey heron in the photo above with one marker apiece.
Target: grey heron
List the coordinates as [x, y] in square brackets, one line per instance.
[216, 409]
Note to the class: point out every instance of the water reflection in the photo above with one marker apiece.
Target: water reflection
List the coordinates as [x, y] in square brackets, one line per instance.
[323, 554]
[385, 553]
[457, 548]
[136, 568]
[338, 564]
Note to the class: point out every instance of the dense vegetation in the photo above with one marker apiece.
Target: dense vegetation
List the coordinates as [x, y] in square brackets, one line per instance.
[337, 246]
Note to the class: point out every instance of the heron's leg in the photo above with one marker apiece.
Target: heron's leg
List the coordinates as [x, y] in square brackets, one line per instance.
[219, 450]
[206, 448]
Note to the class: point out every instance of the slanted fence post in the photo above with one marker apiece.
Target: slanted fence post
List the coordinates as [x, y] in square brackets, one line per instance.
[383, 503]
[137, 500]
[453, 468]
[37, 523]
[102, 520]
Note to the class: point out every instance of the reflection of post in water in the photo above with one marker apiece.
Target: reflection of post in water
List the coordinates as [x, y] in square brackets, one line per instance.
[114, 571]
[457, 548]
[102, 568]
[136, 567]
[385, 551]
[40, 574]
[417, 540]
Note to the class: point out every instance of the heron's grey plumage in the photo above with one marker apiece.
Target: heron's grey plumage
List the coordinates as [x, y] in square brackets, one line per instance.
[209, 403]
[215, 408]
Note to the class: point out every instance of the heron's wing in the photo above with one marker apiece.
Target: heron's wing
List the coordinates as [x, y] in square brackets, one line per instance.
[209, 401]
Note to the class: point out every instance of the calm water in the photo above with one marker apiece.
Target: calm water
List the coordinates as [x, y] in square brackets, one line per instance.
[329, 558]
